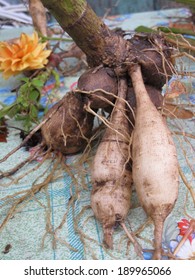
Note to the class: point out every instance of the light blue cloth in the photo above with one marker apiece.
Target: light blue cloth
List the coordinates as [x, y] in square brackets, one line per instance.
[25, 230]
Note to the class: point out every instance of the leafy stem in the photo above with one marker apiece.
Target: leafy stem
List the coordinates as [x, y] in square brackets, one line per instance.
[27, 105]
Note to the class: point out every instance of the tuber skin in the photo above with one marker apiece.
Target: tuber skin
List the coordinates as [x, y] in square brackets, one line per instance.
[102, 78]
[154, 56]
[154, 94]
[111, 173]
[70, 127]
[155, 165]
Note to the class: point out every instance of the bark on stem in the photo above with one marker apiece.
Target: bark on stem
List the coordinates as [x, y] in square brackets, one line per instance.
[87, 30]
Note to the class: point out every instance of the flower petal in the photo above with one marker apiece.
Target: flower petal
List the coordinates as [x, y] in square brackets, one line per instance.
[26, 53]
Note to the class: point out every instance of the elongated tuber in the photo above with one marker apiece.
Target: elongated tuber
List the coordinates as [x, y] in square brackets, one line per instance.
[155, 165]
[111, 174]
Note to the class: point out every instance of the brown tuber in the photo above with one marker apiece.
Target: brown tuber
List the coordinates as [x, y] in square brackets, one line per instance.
[111, 172]
[70, 127]
[102, 78]
[155, 165]
[154, 56]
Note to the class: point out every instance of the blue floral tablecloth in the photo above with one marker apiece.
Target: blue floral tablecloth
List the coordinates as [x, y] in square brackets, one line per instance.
[25, 232]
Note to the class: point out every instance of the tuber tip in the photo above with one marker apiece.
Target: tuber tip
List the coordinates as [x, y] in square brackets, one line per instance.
[108, 238]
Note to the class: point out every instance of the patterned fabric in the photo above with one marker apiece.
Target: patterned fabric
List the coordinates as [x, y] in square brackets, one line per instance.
[25, 230]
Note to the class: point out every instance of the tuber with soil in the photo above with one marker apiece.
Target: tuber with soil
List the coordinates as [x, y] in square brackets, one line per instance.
[69, 129]
[155, 165]
[147, 156]
[101, 85]
[111, 173]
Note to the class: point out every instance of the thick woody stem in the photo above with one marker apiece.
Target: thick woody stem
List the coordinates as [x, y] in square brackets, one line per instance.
[87, 30]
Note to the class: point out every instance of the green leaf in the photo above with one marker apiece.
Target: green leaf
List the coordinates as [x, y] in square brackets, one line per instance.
[144, 29]
[24, 87]
[21, 117]
[56, 77]
[34, 95]
[38, 83]
[27, 123]
[6, 110]
[25, 79]
[33, 112]
[24, 103]
[13, 111]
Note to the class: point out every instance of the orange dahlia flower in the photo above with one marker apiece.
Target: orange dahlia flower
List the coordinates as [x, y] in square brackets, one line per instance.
[26, 53]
